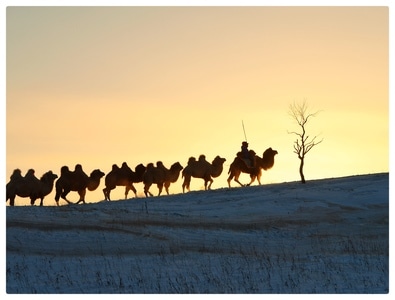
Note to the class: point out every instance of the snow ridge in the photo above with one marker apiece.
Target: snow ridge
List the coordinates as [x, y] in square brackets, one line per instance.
[327, 236]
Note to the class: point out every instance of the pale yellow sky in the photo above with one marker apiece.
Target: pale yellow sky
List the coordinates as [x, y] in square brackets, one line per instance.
[104, 85]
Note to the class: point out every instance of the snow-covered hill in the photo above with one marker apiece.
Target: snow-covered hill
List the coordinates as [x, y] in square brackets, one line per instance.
[327, 236]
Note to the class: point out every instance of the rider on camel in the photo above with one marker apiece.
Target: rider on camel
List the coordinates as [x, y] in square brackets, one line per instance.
[248, 156]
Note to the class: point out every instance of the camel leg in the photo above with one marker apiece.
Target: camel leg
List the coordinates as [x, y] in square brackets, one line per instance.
[57, 195]
[236, 177]
[252, 179]
[106, 196]
[146, 190]
[133, 190]
[12, 200]
[167, 185]
[63, 196]
[65, 199]
[187, 181]
[209, 185]
[82, 194]
[230, 179]
[106, 191]
[259, 177]
[239, 182]
[255, 176]
[160, 187]
[128, 188]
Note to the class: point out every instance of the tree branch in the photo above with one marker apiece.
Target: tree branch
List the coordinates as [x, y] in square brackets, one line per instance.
[303, 143]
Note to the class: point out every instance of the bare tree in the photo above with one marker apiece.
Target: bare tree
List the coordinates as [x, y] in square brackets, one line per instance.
[303, 144]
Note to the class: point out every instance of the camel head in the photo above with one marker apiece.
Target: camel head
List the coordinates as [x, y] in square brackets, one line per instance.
[269, 153]
[48, 177]
[97, 174]
[218, 160]
[176, 167]
[268, 158]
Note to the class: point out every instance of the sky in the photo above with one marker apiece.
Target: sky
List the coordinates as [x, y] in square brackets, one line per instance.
[104, 85]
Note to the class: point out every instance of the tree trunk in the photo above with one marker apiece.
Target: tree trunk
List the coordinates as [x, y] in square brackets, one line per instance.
[301, 170]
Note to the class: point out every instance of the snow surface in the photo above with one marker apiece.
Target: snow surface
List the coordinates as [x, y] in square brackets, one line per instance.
[327, 236]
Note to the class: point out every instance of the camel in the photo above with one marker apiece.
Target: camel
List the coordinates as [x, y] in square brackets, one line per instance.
[76, 181]
[202, 169]
[29, 186]
[161, 176]
[123, 176]
[238, 166]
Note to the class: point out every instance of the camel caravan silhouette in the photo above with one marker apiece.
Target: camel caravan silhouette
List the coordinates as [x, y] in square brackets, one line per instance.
[29, 186]
[202, 169]
[76, 181]
[161, 176]
[123, 176]
[246, 161]
[254, 168]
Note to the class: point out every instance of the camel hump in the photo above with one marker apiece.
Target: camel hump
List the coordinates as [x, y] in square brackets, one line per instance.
[30, 173]
[202, 157]
[159, 164]
[64, 170]
[17, 174]
[191, 160]
[140, 168]
[78, 170]
[125, 169]
[78, 167]
[114, 167]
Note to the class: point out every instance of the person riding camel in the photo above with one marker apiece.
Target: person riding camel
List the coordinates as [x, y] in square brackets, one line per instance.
[244, 150]
[248, 156]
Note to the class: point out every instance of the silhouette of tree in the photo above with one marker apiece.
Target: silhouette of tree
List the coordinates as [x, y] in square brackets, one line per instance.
[303, 144]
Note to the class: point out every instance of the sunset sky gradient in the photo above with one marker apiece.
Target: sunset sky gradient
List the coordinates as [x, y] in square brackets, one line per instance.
[104, 85]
